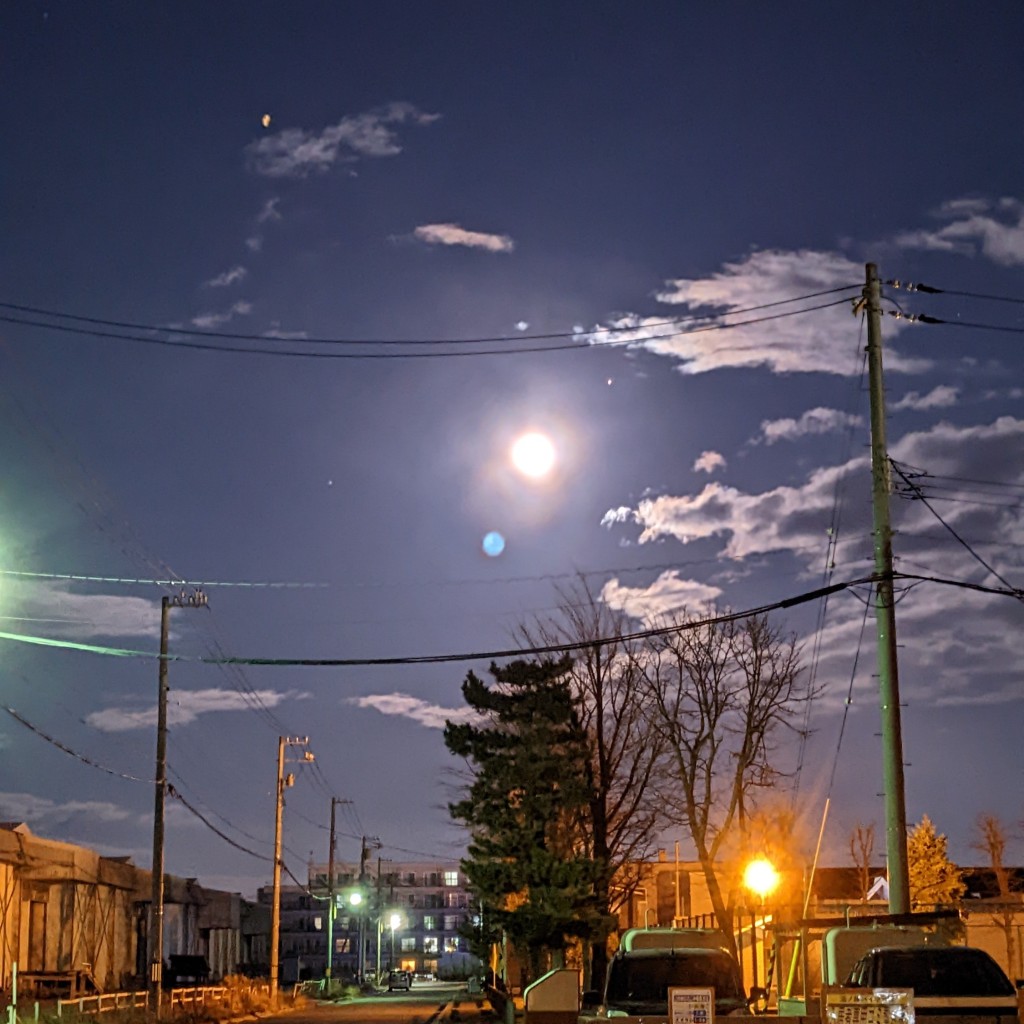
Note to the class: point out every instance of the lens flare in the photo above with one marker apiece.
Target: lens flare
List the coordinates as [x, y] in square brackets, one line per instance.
[494, 544]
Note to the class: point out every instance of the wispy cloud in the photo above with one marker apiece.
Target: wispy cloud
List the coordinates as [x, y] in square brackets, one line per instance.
[52, 606]
[229, 277]
[269, 212]
[36, 810]
[993, 229]
[969, 663]
[669, 593]
[941, 397]
[709, 462]
[453, 234]
[433, 716]
[816, 342]
[296, 152]
[186, 706]
[206, 321]
[815, 421]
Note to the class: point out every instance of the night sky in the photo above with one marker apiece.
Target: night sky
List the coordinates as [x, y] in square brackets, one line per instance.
[437, 226]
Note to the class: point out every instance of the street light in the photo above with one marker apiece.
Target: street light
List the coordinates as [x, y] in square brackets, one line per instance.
[761, 878]
[395, 921]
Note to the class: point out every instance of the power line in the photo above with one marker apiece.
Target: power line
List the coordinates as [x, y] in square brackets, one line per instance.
[73, 753]
[133, 581]
[974, 554]
[237, 336]
[909, 286]
[924, 318]
[171, 791]
[519, 350]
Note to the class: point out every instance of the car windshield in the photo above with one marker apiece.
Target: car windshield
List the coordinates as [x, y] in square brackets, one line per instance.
[942, 972]
[644, 982]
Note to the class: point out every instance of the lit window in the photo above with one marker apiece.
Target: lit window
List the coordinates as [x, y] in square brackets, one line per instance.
[451, 945]
[408, 944]
[428, 922]
[451, 922]
[430, 944]
[451, 878]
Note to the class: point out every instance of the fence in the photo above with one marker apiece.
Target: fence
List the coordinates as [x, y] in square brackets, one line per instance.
[177, 998]
[104, 1003]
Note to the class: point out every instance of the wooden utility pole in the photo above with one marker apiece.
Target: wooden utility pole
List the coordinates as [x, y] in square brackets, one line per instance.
[885, 613]
[155, 933]
[283, 783]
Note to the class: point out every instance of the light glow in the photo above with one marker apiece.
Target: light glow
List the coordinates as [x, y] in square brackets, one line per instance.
[533, 455]
[761, 877]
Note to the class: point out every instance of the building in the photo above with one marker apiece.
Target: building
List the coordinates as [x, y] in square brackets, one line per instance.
[404, 914]
[69, 915]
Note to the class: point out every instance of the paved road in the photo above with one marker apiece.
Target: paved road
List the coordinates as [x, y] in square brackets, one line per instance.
[425, 1003]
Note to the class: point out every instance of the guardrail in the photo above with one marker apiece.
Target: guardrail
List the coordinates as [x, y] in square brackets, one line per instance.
[178, 998]
[104, 1003]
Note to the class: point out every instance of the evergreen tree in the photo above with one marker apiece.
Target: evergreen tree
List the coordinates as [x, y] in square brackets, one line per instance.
[934, 879]
[527, 759]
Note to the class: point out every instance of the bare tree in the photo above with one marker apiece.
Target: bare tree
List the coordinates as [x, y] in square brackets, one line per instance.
[991, 841]
[621, 826]
[721, 692]
[862, 849]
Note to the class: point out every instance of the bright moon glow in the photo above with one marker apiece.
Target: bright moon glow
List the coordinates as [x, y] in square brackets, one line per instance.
[533, 455]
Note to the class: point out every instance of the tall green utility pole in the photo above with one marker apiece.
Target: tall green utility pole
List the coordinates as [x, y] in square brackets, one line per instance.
[885, 613]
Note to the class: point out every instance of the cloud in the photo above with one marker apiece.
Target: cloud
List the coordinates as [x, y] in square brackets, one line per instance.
[666, 595]
[995, 230]
[208, 320]
[708, 462]
[36, 810]
[941, 397]
[822, 341]
[186, 706]
[433, 716]
[269, 211]
[80, 616]
[815, 421]
[296, 153]
[229, 277]
[452, 234]
[970, 658]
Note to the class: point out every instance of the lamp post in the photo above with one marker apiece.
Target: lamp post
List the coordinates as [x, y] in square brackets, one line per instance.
[761, 878]
[395, 920]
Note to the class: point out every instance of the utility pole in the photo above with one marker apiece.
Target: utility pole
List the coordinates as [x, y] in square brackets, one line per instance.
[368, 843]
[885, 613]
[283, 783]
[332, 908]
[155, 934]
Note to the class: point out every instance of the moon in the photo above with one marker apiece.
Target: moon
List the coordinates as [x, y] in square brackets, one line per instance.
[533, 455]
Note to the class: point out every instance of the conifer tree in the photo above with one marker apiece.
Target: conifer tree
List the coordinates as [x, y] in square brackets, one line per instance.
[934, 879]
[527, 760]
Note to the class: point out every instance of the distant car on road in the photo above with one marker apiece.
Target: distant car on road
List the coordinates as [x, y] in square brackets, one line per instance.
[399, 979]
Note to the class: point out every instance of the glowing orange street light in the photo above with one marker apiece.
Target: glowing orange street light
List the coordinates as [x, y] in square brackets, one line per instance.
[760, 877]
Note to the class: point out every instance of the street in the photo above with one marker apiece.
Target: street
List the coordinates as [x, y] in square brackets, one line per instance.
[426, 1002]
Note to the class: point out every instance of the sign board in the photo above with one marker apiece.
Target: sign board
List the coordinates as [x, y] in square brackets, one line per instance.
[869, 1006]
[691, 1006]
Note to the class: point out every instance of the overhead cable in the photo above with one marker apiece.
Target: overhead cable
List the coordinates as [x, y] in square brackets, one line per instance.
[238, 336]
[291, 353]
[515, 652]
[927, 289]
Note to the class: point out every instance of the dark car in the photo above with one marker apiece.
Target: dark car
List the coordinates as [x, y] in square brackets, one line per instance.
[399, 979]
[945, 980]
[638, 981]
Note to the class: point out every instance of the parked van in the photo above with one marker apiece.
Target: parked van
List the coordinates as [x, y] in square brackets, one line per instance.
[945, 980]
[641, 973]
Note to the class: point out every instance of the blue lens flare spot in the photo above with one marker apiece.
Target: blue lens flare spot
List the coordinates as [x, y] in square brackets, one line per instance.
[494, 544]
